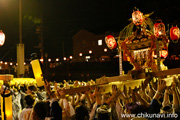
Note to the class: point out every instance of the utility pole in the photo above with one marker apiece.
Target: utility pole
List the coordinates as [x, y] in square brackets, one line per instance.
[20, 46]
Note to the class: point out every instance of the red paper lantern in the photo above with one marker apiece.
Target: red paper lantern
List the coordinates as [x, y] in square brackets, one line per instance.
[2, 38]
[164, 53]
[137, 17]
[111, 42]
[174, 33]
[159, 29]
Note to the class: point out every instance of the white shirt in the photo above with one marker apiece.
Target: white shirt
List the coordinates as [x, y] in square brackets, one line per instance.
[25, 114]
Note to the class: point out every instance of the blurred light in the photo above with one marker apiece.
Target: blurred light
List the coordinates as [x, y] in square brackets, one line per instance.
[160, 32]
[105, 49]
[2, 38]
[64, 58]
[99, 42]
[24, 63]
[88, 57]
[80, 54]
[5, 63]
[164, 53]
[90, 51]
[57, 59]
[11, 63]
[41, 60]
[1, 62]
[49, 60]
[70, 57]
[16, 63]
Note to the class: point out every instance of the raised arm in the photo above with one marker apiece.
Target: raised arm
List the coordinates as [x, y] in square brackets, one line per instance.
[176, 97]
[48, 89]
[115, 94]
[97, 93]
[160, 89]
[166, 100]
[141, 100]
[155, 105]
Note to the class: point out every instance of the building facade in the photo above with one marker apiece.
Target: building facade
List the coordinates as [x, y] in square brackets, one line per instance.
[90, 47]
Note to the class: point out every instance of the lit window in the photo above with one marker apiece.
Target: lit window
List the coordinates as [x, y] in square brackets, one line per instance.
[99, 42]
[88, 57]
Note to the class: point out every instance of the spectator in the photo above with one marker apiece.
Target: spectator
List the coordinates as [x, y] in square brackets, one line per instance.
[26, 112]
[40, 111]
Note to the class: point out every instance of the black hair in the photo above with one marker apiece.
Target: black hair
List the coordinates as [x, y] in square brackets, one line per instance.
[104, 116]
[41, 109]
[32, 88]
[103, 112]
[81, 113]
[56, 111]
[29, 99]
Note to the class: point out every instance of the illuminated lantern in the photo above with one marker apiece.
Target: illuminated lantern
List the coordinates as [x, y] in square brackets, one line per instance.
[37, 72]
[137, 17]
[164, 53]
[6, 105]
[1, 83]
[174, 33]
[111, 42]
[2, 38]
[159, 29]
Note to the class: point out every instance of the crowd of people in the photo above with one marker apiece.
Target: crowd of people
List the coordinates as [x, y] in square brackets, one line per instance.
[152, 100]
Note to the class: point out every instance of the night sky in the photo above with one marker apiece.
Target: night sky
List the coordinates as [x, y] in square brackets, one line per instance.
[64, 18]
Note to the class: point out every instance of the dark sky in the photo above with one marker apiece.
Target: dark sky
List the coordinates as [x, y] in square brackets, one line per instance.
[63, 18]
